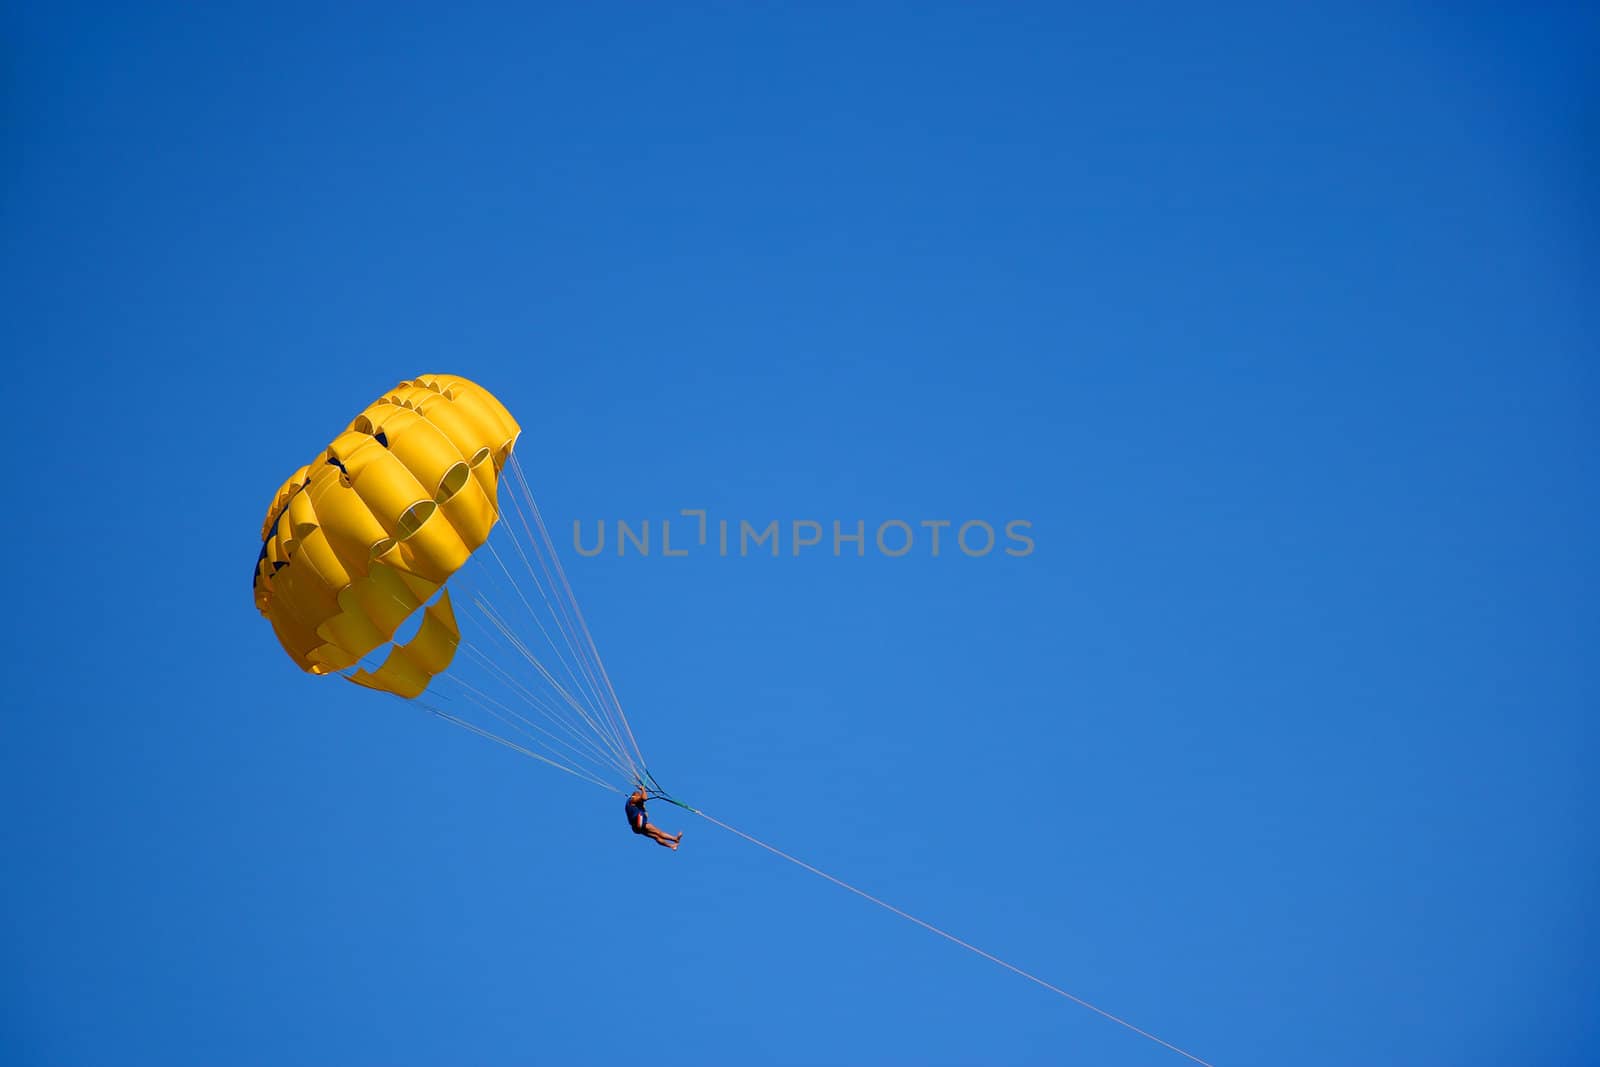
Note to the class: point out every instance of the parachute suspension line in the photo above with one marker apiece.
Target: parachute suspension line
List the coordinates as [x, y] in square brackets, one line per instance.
[484, 701]
[592, 773]
[565, 612]
[558, 613]
[525, 726]
[562, 611]
[613, 742]
[490, 735]
[539, 622]
[586, 691]
[532, 614]
[572, 600]
[947, 936]
[591, 751]
[557, 693]
[572, 761]
[516, 644]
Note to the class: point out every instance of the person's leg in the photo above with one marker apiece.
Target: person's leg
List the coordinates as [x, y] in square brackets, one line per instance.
[660, 838]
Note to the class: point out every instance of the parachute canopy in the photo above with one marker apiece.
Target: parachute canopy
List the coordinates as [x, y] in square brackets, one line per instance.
[370, 530]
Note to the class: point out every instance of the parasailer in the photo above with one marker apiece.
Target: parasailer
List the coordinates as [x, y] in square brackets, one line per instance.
[639, 821]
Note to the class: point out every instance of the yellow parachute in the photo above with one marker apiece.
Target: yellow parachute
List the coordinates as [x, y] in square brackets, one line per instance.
[368, 532]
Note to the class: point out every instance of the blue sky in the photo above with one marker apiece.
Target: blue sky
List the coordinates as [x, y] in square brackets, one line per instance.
[1276, 324]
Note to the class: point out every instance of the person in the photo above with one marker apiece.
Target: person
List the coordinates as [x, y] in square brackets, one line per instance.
[639, 822]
